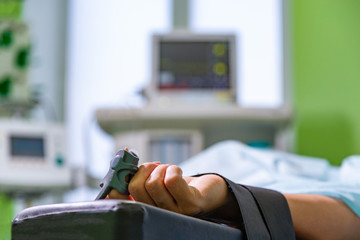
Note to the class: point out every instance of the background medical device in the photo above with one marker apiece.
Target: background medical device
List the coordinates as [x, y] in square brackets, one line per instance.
[193, 69]
[32, 157]
[169, 146]
[14, 61]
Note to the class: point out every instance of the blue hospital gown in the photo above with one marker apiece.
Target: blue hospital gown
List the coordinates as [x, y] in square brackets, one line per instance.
[280, 171]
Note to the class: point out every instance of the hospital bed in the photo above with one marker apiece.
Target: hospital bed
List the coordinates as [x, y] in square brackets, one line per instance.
[113, 220]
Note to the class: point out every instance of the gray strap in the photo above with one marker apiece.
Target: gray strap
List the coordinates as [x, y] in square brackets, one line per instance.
[275, 211]
[254, 225]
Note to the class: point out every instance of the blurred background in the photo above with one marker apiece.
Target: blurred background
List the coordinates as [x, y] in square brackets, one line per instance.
[80, 79]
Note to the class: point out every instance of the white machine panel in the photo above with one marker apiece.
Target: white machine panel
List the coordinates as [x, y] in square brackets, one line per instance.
[169, 146]
[33, 157]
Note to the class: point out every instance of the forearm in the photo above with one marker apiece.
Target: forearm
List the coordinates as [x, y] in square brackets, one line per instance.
[314, 217]
[322, 217]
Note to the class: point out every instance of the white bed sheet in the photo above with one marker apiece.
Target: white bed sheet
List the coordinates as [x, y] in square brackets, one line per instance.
[284, 172]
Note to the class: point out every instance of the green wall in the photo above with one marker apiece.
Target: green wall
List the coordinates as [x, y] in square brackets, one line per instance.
[6, 216]
[9, 10]
[326, 70]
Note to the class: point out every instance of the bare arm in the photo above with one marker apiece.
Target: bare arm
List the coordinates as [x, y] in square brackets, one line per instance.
[322, 217]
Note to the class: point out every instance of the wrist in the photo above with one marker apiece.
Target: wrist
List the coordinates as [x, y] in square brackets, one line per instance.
[224, 209]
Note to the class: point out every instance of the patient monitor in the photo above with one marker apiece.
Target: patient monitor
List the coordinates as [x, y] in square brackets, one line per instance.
[193, 69]
[32, 157]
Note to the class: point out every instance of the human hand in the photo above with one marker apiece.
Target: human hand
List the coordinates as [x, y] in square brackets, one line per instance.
[165, 187]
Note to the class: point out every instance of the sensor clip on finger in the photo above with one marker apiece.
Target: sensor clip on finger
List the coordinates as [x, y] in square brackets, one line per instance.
[122, 168]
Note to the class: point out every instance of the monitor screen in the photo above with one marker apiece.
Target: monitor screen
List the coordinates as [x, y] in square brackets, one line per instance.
[194, 65]
[27, 146]
[190, 68]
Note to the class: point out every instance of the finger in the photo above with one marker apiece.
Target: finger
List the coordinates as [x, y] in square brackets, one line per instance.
[137, 183]
[176, 184]
[186, 197]
[114, 194]
[157, 190]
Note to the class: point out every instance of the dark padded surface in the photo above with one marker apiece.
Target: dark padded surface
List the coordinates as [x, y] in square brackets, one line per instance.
[113, 219]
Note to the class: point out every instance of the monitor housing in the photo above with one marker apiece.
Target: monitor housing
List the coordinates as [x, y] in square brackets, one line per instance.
[33, 157]
[193, 69]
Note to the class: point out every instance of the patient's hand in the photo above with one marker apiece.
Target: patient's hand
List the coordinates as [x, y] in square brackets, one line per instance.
[165, 187]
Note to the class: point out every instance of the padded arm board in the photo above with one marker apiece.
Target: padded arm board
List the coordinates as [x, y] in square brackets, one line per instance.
[113, 219]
